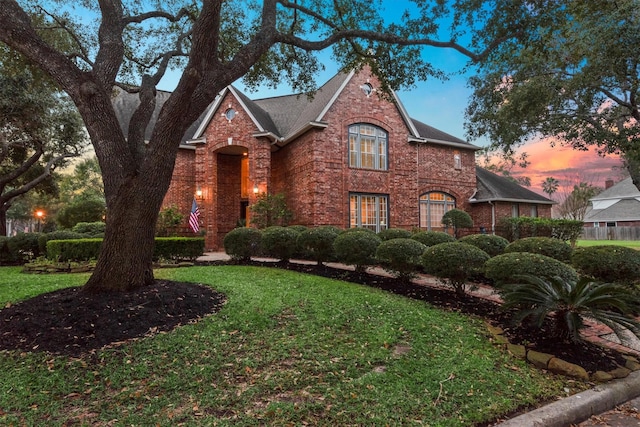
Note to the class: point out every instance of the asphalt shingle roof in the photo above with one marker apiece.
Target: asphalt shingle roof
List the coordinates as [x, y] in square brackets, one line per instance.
[492, 187]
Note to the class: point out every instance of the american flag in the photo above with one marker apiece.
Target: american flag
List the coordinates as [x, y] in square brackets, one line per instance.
[194, 217]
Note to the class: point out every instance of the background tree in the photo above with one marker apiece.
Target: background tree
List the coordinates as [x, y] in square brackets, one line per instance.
[40, 130]
[502, 162]
[572, 74]
[575, 205]
[550, 185]
[213, 44]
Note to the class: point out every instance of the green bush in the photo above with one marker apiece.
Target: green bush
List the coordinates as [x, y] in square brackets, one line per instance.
[356, 248]
[24, 246]
[454, 263]
[279, 242]
[568, 303]
[178, 248]
[169, 219]
[242, 243]
[431, 238]
[566, 230]
[400, 256]
[504, 268]
[57, 235]
[548, 246]
[73, 249]
[352, 229]
[318, 242]
[270, 210]
[6, 256]
[90, 229]
[457, 218]
[491, 244]
[394, 233]
[608, 263]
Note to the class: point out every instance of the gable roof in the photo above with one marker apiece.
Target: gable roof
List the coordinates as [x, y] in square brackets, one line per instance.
[496, 188]
[620, 202]
[284, 118]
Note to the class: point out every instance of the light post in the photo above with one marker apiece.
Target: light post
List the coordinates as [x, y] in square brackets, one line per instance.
[39, 215]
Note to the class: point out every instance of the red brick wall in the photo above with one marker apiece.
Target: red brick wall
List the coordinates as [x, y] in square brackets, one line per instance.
[182, 187]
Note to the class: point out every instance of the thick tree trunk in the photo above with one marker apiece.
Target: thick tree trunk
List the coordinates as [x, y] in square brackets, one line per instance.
[3, 221]
[125, 261]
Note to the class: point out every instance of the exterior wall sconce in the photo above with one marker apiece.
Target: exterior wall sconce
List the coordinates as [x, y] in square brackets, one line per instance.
[256, 190]
[198, 193]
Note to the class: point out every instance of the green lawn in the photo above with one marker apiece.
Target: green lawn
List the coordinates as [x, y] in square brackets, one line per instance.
[628, 243]
[287, 349]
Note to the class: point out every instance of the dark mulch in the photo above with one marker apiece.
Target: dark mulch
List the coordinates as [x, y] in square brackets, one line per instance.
[72, 322]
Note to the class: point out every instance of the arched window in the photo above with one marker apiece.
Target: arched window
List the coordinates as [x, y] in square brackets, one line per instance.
[433, 206]
[367, 147]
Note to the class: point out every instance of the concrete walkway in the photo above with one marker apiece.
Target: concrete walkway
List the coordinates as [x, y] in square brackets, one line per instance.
[613, 404]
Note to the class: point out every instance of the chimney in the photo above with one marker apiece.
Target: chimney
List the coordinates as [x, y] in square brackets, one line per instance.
[608, 184]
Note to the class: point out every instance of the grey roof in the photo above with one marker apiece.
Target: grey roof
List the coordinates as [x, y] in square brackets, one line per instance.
[495, 188]
[125, 104]
[431, 133]
[620, 203]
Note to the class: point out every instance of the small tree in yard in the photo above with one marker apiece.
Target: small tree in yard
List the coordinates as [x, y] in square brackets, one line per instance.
[270, 210]
[457, 219]
[169, 219]
[454, 263]
[400, 256]
[570, 302]
[356, 248]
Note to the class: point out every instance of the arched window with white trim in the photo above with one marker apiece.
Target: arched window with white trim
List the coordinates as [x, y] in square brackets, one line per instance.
[367, 147]
[433, 206]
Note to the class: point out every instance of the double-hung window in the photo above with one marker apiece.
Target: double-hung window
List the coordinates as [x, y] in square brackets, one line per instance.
[367, 147]
[369, 211]
[433, 206]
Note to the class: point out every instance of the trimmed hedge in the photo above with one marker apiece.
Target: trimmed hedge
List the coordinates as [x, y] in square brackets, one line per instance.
[400, 256]
[491, 244]
[93, 229]
[356, 247]
[455, 263]
[553, 248]
[57, 235]
[566, 230]
[503, 269]
[175, 248]
[608, 263]
[24, 246]
[431, 238]
[243, 243]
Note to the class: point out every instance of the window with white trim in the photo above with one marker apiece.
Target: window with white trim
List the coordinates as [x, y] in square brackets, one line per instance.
[367, 147]
[433, 206]
[369, 211]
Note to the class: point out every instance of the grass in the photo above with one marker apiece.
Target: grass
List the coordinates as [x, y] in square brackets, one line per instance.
[287, 349]
[635, 244]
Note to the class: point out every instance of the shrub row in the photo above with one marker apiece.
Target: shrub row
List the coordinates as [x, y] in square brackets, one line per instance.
[167, 248]
[401, 253]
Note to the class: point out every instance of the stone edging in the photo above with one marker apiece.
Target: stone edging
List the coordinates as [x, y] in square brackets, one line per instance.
[558, 366]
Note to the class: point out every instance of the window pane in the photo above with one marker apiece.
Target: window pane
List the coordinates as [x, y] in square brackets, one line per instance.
[432, 207]
[368, 153]
[353, 151]
[367, 147]
[368, 211]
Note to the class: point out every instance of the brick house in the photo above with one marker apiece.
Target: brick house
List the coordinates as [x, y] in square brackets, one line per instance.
[345, 157]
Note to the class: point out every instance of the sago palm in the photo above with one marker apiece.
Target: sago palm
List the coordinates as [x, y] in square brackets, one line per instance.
[569, 303]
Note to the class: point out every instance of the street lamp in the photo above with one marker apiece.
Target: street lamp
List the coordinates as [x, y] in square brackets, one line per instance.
[39, 215]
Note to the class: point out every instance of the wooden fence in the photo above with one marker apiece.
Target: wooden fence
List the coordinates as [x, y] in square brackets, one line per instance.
[611, 233]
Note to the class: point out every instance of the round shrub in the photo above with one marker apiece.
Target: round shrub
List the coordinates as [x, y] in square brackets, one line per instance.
[318, 242]
[505, 268]
[608, 263]
[90, 228]
[454, 262]
[548, 246]
[400, 256]
[394, 233]
[491, 244]
[242, 243]
[356, 248]
[24, 246]
[352, 229]
[279, 242]
[431, 238]
[457, 219]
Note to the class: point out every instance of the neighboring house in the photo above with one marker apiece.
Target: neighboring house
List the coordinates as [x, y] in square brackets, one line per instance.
[498, 197]
[344, 157]
[617, 206]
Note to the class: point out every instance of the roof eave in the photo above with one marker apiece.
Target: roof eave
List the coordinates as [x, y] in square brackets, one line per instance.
[512, 200]
[308, 126]
[465, 145]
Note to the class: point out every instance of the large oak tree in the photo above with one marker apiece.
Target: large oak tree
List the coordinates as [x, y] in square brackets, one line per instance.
[213, 43]
[573, 74]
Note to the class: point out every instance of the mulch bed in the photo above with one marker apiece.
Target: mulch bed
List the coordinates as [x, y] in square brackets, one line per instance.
[72, 322]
